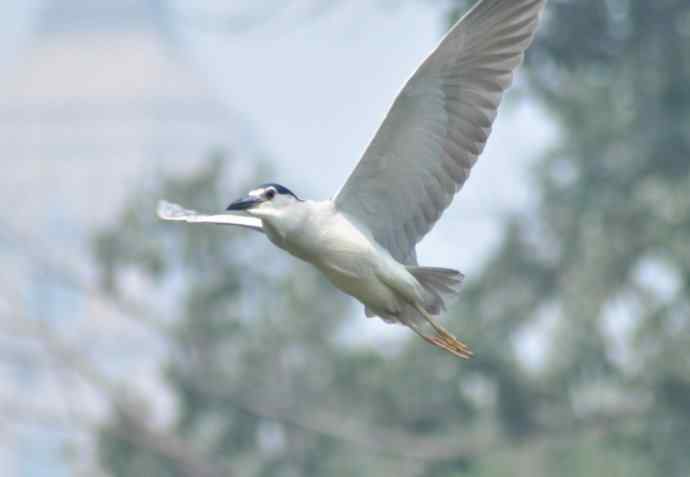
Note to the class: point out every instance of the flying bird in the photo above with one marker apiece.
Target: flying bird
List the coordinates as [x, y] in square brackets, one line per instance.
[363, 240]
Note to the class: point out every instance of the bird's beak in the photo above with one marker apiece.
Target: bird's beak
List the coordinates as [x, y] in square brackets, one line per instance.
[244, 203]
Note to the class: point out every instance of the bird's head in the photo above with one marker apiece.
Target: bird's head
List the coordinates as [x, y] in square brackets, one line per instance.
[265, 200]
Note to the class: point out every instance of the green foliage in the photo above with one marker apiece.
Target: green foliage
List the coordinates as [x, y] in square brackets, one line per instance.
[608, 242]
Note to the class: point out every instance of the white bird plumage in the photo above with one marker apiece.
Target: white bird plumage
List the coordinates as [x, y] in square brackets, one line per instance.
[364, 239]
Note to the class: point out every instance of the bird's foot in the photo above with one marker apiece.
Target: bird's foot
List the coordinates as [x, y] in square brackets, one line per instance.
[444, 339]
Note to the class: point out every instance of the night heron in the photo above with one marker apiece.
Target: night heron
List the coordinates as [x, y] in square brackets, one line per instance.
[363, 240]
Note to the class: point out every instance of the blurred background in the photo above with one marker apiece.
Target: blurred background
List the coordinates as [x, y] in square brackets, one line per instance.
[129, 347]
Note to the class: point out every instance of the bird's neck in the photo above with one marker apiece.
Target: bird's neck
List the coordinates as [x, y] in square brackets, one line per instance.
[296, 227]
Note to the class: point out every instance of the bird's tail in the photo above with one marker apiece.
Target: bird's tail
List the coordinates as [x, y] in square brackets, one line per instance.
[440, 284]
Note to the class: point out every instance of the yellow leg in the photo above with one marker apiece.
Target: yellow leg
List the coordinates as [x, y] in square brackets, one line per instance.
[443, 338]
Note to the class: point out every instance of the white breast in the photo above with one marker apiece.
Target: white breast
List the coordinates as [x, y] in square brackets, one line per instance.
[345, 253]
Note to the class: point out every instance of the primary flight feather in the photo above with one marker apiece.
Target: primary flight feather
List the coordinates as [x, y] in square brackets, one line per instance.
[364, 239]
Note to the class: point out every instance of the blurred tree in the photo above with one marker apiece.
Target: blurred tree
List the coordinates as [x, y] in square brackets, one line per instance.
[601, 269]
[598, 274]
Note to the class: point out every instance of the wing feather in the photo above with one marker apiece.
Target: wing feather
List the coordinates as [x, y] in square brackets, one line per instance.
[438, 125]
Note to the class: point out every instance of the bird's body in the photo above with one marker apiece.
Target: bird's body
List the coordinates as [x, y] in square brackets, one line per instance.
[344, 252]
[363, 240]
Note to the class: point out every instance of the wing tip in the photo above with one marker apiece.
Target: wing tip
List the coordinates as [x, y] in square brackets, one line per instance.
[171, 211]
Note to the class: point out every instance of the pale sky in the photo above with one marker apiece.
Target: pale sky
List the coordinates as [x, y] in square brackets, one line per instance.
[315, 91]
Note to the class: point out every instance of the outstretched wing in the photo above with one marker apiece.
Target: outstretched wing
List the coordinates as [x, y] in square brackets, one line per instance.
[174, 212]
[438, 125]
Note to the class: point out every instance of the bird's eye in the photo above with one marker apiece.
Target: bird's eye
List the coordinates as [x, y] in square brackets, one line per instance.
[270, 193]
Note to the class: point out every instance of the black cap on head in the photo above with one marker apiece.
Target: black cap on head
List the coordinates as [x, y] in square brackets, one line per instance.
[279, 188]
